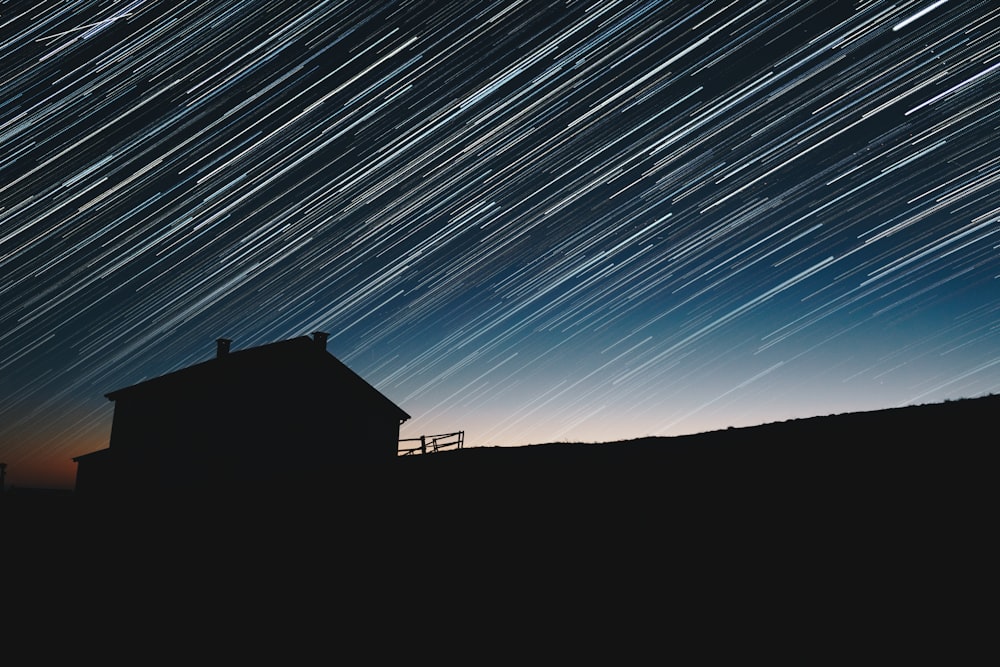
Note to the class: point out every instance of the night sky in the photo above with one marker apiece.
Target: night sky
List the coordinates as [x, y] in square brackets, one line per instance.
[532, 221]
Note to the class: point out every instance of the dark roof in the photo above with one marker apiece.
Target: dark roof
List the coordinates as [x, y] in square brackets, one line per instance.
[94, 456]
[302, 353]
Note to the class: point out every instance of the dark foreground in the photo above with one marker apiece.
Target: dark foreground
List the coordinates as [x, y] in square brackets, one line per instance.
[901, 460]
[805, 537]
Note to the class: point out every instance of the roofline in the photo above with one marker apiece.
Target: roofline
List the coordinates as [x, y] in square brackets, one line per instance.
[99, 452]
[235, 353]
[139, 386]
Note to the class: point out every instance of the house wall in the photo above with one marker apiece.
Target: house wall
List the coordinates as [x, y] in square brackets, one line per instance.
[252, 429]
[96, 475]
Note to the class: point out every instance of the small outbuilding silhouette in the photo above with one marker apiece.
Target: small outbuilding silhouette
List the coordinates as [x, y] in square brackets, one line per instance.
[256, 417]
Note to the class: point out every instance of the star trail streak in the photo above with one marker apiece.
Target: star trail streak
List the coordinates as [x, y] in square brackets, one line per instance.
[529, 220]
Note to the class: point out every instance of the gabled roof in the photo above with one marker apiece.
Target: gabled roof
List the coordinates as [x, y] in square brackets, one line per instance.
[295, 353]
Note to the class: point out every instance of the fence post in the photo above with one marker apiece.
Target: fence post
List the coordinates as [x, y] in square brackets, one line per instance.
[423, 445]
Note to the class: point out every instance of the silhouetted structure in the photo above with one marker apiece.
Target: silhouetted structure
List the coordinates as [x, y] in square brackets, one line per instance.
[283, 412]
[433, 443]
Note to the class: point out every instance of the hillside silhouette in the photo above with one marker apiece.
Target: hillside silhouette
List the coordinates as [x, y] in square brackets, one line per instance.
[816, 506]
[938, 439]
[914, 453]
[855, 440]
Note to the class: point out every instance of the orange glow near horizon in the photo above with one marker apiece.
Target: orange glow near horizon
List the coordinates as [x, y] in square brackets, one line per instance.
[42, 465]
[52, 473]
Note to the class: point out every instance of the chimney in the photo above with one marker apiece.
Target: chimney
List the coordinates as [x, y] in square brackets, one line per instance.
[222, 347]
[319, 337]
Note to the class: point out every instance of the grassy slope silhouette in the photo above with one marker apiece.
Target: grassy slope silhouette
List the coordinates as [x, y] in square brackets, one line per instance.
[917, 452]
[858, 439]
[896, 501]
[921, 455]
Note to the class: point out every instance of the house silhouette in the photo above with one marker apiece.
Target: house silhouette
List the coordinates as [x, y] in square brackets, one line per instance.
[285, 412]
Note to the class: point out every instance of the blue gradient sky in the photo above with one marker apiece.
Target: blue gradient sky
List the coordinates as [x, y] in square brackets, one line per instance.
[533, 221]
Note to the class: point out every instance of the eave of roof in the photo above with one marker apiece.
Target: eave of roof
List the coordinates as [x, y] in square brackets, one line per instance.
[100, 453]
[302, 345]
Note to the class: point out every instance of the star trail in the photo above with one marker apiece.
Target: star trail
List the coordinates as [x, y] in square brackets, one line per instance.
[532, 221]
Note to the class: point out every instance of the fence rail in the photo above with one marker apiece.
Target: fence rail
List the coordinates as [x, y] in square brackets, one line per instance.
[432, 443]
